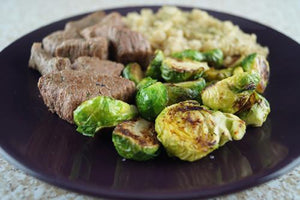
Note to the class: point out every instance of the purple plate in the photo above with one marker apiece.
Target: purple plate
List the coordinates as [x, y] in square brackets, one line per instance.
[50, 149]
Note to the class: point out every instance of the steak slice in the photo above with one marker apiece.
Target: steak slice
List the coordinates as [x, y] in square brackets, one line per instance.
[95, 65]
[65, 90]
[44, 62]
[74, 48]
[54, 39]
[113, 19]
[129, 46]
[86, 21]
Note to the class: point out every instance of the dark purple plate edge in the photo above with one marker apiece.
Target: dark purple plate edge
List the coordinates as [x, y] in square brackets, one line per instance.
[107, 193]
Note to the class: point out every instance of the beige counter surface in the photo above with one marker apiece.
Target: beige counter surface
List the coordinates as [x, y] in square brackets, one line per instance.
[19, 17]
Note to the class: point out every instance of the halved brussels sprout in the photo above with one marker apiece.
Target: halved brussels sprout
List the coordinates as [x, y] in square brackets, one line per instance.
[145, 83]
[213, 57]
[153, 98]
[188, 90]
[136, 140]
[133, 72]
[173, 70]
[190, 131]
[236, 62]
[257, 114]
[153, 69]
[217, 74]
[99, 112]
[230, 94]
[259, 64]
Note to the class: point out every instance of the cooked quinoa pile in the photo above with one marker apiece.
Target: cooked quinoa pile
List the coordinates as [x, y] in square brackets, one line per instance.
[172, 30]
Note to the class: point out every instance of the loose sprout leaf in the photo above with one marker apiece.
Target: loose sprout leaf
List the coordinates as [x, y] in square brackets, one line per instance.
[99, 112]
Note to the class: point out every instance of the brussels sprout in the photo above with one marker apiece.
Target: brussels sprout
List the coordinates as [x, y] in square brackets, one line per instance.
[100, 112]
[153, 69]
[152, 99]
[190, 131]
[237, 62]
[173, 70]
[133, 72]
[230, 94]
[214, 57]
[259, 64]
[177, 94]
[217, 74]
[189, 54]
[136, 140]
[145, 83]
[189, 90]
[257, 114]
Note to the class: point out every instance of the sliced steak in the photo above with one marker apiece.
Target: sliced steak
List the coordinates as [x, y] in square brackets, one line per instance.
[44, 62]
[113, 19]
[86, 21]
[52, 41]
[64, 91]
[74, 48]
[95, 65]
[129, 46]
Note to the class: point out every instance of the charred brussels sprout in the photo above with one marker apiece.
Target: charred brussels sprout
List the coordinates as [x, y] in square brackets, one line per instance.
[152, 99]
[133, 72]
[145, 83]
[173, 70]
[153, 69]
[100, 112]
[230, 94]
[257, 114]
[190, 131]
[214, 57]
[136, 140]
[259, 64]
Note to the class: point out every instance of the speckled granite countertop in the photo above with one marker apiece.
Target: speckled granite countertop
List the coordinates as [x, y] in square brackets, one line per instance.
[19, 17]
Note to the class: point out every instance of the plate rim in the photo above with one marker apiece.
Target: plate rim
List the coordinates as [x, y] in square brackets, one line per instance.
[253, 181]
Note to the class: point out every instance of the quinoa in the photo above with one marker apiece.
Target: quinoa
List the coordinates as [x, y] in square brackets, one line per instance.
[173, 30]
